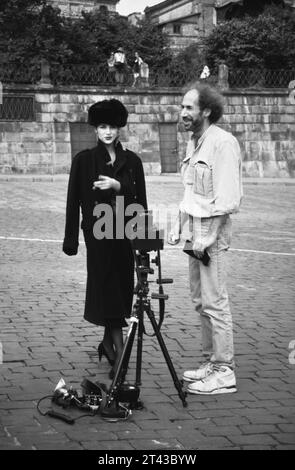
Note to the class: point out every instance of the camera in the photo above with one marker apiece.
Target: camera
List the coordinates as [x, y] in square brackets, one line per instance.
[146, 237]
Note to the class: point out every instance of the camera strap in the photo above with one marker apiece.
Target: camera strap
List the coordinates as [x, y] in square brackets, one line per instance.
[161, 319]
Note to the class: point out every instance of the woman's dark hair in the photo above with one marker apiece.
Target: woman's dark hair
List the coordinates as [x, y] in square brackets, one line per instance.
[209, 98]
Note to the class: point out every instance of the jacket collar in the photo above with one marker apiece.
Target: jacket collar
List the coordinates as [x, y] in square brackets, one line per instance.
[121, 156]
[191, 148]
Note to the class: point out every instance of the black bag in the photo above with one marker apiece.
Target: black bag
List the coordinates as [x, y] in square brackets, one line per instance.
[187, 249]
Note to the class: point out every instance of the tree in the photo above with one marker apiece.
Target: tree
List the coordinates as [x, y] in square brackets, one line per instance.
[89, 40]
[152, 45]
[266, 41]
[31, 30]
[94, 36]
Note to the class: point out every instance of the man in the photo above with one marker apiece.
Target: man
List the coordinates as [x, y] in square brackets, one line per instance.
[211, 173]
[120, 65]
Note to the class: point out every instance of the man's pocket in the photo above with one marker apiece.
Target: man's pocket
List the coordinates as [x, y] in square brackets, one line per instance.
[203, 182]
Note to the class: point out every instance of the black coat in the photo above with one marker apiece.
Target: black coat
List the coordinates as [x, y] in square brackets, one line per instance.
[110, 263]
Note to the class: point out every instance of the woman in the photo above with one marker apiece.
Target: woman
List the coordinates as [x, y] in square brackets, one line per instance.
[98, 176]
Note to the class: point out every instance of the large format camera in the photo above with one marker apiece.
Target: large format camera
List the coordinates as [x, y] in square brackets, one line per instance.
[146, 237]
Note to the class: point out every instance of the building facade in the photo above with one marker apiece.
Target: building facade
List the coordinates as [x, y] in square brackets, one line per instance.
[184, 21]
[74, 8]
[190, 21]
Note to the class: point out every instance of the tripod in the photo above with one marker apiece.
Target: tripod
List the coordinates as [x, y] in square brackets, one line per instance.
[142, 305]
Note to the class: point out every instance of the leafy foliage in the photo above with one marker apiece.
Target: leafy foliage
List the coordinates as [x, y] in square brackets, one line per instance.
[31, 30]
[266, 41]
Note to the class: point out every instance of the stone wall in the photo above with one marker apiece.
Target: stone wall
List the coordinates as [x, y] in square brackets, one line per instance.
[263, 122]
[74, 8]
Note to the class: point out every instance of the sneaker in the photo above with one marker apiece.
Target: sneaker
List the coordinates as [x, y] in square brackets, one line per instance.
[221, 380]
[201, 373]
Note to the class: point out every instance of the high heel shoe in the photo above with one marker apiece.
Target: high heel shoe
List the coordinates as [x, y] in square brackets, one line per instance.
[103, 352]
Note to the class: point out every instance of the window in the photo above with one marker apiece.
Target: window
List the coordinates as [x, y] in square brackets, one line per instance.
[177, 29]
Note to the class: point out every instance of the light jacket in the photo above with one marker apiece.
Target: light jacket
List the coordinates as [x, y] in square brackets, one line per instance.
[212, 175]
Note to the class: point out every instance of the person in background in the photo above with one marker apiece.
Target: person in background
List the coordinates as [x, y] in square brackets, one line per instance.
[205, 72]
[120, 65]
[111, 67]
[136, 68]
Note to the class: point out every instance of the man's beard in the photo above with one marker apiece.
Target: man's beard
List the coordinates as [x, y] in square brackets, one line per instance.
[195, 126]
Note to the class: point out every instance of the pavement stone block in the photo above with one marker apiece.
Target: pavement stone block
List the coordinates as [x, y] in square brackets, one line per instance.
[156, 444]
[90, 435]
[203, 443]
[107, 445]
[253, 439]
[286, 438]
[219, 430]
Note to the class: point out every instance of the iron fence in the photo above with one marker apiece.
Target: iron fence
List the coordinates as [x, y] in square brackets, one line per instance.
[99, 75]
[170, 76]
[23, 74]
[80, 74]
[17, 108]
[260, 78]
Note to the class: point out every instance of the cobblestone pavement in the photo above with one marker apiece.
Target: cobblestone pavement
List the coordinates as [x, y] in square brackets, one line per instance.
[44, 336]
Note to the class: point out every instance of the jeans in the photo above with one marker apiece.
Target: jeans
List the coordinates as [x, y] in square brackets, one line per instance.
[209, 294]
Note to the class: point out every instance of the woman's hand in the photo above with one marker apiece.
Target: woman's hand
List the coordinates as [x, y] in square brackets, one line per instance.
[105, 182]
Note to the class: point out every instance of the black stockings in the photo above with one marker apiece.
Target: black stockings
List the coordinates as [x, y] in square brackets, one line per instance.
[113, 342]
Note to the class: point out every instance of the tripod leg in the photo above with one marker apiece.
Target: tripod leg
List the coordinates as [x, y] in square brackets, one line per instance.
[177, 383]
[139, 351]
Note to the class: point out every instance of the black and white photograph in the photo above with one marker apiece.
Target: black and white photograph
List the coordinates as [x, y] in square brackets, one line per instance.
[147, 230]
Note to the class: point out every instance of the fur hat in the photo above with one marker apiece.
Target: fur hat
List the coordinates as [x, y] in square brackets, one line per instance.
[111, 112]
